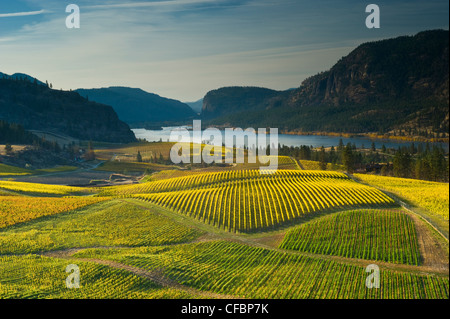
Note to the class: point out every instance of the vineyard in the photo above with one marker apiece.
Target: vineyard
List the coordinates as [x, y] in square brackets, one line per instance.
[249, 272]
[43, 189]
[35, 277]
[155, 240]
[18, 209]
[198, 180]
[246, 201]
[387, 235]
[432, 196]
[106, 224]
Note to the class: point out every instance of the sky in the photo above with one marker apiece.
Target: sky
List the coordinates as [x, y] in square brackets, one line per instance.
[182, 49]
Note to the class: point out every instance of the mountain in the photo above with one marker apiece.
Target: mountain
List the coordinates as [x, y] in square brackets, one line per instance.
[196, 106]
[136, 107]
[228, 100]
[20, 76]
[37, 107]
[383, 86]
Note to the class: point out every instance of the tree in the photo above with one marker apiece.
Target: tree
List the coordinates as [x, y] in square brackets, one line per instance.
[402, 163]
[384, 170]
[340, 145]
[322, 159]
[373, 148]
[9, 149]
[422, 169]
[90, 154]
[348, 159]
[139, 157]
[333, 157]
[438, 165]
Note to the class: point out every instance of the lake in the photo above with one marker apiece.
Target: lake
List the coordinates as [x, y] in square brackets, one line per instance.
[288, 140]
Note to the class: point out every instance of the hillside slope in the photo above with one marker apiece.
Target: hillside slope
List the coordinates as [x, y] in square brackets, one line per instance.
[135, 106]
[37, 107]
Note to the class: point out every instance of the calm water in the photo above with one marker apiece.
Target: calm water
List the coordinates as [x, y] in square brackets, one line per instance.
[283, 139]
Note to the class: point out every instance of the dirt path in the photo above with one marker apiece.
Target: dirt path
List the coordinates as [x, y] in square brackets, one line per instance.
[158, 277]
[155, 276]
[433, 253]
[431, 250]
[299, 165]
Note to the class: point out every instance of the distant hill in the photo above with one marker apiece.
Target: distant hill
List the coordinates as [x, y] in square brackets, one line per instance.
[135, 106]
[37, 107]
[394, 84]
[196, 106]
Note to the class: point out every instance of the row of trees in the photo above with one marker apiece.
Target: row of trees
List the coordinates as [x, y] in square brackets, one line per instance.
[153, 159]
[430, 165]
[11, 133]
[413, 161]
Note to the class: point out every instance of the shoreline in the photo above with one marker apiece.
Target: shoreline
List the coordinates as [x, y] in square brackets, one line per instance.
[372, 136]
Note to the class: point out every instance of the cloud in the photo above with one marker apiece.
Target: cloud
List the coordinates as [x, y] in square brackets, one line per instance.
[22, 14]
[149, 44]
[150, 4]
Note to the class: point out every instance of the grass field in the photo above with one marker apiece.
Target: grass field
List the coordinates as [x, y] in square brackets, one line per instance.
[7, 170]
[314, 165]
[56, 169]
[130, 167]
[129, 152]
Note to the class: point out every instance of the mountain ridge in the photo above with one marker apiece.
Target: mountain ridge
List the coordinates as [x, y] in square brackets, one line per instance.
[38, 107]
[21, 76]
[398, 84]
[136, 106]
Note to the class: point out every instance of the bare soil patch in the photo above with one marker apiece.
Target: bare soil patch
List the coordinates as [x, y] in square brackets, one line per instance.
[433, 254]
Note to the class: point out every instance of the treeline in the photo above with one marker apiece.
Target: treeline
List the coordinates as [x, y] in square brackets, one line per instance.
[11, 133]
[431, 164]
[15, 134]
[424, 162]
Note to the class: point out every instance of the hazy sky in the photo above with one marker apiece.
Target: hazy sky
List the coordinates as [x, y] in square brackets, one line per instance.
[183, 48]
